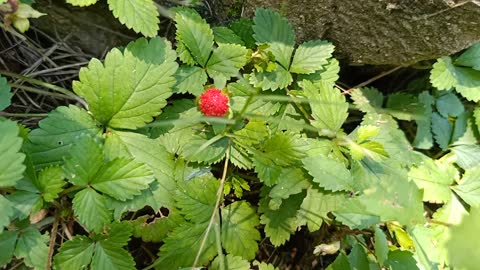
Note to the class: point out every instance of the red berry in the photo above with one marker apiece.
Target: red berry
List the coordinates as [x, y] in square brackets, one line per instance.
[213, 103]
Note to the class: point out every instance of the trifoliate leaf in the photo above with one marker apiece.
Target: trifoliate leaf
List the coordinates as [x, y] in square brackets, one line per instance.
[122, 178]
[273, 29]
[11, 160]
[368, 100]
[315, 207]
[155, 51]
[86, 158]
[434, 178]
[145, 150]
[291, 181]
[182, 245]
[5, 95]
[82, 3]
[195, 33]
[279, 224]
[328, 173]
[462, 245]
[449, 105]
[381, 245]
[423, 137]
[50, 182]
[403, 106]
[120, 98]
[50, 143]
[401, 260]
[74, 254]
[231, 263]
[442, 130]
[8, 239]
[442, 75]
[311, 56]
[191, 80]
[470, 58]
[7, 212]
[109, 253]
[32, 247]
[329, 107]
[226, 61]
[226, 36]
[278, 78]
[139, 15]
[91, 209]
[243, 28]
[469, 187]
[196, 198]
[239, 218]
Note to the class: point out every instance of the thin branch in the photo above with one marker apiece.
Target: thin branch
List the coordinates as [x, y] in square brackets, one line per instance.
[217, 204]
[369, 81]
[51, 244]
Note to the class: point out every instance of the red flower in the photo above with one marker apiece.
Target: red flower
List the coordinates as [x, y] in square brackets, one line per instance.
[213, 103]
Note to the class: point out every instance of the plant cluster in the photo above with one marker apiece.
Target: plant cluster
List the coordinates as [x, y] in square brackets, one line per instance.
[264, 152]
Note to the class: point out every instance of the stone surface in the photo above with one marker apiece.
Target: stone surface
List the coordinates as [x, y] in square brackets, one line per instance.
[383, 32]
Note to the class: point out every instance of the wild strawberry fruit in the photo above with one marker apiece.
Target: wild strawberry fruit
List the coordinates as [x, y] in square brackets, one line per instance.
[213, 102]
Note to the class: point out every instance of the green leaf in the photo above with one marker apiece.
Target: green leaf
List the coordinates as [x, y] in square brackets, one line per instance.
[139, 15]
[231, 263]
[329, 107]
[109, 253]
[291, 181]
[401, 260]
[358, 257]
[50, 183]
[8, 239]
[368, 99]
[7, 213]
[271, 28]
[32, 247]
[182, 245]
[24, 202]
[279, 78]
[213, 151]
[328, 173]
[91, 209]
[442, 130]
[468, 156]
[74, 254]
[226, 61]
[381, 245]
[191, 80]
[279, 224]
[449, 105]
[429, 247]
[196, 198]
[470, 58]
[122, 178]
[226, 36]
[462, 245]
[243, 28]
[423, 137]
[315, 207]
[152, 51]
[195, 33]
[254, 132]
[442, 74]
[86, 158]
[5, 95]
[403, 106]
[82, 3]
[156, 230]
[50, 143]
[340, 263]
[469, 187]
[434, 178]
[11, 160]
[145, 150]
[311, 56]
[120, 98]
[240, 219]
